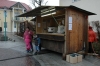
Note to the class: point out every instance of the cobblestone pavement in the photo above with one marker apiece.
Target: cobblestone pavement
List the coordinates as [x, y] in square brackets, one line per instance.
[14, 54]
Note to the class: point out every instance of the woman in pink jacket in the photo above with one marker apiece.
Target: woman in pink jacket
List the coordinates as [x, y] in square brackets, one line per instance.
[27, 39]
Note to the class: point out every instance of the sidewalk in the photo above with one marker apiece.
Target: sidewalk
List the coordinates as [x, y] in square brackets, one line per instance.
[14, 54]
[16, 50]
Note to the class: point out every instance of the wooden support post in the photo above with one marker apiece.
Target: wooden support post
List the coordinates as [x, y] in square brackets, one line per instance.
[66, 44]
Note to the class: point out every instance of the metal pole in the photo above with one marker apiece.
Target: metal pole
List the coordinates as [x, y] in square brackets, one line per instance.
[5, 25]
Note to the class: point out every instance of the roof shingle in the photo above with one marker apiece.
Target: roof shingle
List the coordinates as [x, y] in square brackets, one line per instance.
[8, 4]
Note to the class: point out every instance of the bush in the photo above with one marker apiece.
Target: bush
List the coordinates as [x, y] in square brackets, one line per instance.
[96, 47]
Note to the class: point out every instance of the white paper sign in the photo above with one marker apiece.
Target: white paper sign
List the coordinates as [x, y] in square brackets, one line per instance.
[70, 26]
[70, 19]
[38, 24]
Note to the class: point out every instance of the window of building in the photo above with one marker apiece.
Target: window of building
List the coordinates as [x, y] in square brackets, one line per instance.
[75, 0]
[14, 25]
[16, 14]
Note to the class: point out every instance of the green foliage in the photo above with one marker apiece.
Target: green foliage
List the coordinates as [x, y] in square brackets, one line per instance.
[96, 47]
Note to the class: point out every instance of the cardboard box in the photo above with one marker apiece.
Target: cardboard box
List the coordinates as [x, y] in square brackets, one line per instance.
[67, 58]
[73, 59]
[79, 58]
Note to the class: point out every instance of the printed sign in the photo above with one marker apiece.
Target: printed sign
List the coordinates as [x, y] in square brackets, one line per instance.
[70, 26]
[38, 24]
[70, 19]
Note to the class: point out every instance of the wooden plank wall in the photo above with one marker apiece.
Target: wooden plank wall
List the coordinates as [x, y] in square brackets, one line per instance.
[76, 33]
[52, 42]
[76, 37]
[39, 26]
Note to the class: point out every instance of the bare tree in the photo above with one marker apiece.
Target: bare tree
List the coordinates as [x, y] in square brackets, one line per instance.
[97, 24]
[37, 2]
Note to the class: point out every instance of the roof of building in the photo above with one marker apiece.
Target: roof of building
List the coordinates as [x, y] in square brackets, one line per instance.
[8, 4]
[38, 11]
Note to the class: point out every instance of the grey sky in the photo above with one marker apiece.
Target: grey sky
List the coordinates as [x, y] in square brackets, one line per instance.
[50, 2]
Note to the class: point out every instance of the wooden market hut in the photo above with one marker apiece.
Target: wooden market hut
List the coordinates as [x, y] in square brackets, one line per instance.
[75, 22]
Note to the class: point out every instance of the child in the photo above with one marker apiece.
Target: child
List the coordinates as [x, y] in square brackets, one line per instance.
[27, 39]
[37, 44]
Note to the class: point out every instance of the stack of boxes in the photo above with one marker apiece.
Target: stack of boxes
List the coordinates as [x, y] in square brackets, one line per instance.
[74, 58]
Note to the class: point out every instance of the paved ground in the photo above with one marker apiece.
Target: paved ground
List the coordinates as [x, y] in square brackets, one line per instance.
[14, 54]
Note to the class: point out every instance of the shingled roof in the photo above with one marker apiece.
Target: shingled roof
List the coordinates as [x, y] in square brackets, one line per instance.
[8, 4]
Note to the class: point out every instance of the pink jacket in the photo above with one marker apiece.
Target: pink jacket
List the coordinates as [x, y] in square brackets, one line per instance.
[31, 34]
[27, 35]
[27, 39]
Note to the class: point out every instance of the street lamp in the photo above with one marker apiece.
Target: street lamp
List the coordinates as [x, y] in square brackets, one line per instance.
[5, 24]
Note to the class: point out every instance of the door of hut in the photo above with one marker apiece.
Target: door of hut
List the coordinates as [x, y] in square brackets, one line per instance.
[78, 34]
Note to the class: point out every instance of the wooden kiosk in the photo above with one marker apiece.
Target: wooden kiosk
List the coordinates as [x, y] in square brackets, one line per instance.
[75, 22]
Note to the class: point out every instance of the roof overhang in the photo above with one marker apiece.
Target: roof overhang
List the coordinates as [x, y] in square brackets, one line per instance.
[42, 10]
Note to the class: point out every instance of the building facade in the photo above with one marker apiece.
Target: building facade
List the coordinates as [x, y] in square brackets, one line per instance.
[89, 5]
[12, 10]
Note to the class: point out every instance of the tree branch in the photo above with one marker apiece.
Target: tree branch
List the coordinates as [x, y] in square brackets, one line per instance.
[38, 2]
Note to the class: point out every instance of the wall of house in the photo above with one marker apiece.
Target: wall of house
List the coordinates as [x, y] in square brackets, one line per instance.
[0, 18]
[89, 5]
[22, 18]
[8, 20]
